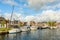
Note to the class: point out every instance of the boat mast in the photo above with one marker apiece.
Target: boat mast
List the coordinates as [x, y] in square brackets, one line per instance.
[12, 14]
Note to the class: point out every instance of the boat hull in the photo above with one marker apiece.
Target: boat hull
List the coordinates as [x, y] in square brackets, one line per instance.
[33, 28]
[25, 28]
[14, 31]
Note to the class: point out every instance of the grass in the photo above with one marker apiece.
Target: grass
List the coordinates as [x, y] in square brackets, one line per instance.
[5, 29]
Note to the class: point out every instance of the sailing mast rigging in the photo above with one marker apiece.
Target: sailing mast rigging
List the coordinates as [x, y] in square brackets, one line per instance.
[12, 14]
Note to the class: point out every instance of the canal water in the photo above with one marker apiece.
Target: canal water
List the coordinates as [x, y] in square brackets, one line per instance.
[44, 34]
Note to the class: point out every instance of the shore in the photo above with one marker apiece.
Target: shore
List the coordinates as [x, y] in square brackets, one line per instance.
[6, 31]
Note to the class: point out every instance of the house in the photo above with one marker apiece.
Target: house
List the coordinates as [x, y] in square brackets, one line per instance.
[58, 24]
[25, 23]
[39, 24]
[3, 22]
[13, 23]
[32, 23]
[1, 19]
[21, 23]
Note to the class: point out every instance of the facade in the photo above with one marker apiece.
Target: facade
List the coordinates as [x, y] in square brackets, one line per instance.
[39, 24]
[25, 23]
[58, 24]
[19, 23]
[32, 23]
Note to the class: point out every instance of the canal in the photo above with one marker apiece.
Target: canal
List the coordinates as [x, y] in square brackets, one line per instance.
[44, 34]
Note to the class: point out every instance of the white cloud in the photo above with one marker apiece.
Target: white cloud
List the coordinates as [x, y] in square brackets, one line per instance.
[48, 15]
[41, 4]
[11, 2]
[52, 7]
[15, 16]
[29, 18]
[7, 16]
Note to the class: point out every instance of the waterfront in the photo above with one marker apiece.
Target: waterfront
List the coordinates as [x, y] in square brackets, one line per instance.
[44, 34]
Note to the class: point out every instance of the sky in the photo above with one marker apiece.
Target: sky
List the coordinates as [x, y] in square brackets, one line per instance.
[31, 10]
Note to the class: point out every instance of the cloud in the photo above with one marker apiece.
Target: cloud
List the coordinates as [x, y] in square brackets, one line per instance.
[11, 2]
[47, 15]
[7, 16]
[41, 4]
[52, 7]
[29, 18]
[15, 16]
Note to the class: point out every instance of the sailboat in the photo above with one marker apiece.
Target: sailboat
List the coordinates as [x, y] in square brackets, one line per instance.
[13, 30]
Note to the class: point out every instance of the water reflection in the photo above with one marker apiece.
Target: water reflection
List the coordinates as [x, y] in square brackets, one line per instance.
[2, 37]
[44, 34]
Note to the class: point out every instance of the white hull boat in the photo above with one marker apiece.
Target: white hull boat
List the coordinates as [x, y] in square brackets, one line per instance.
[54, 27]
[14, 30]
[24, 28]
[33, 28]
[45, 27]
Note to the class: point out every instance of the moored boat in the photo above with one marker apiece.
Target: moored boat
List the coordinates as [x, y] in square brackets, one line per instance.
[25, 28]
[53, 27]
[33, 28]
[14, 30]
[45, 27]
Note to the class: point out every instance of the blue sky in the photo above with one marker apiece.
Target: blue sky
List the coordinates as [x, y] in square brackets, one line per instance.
[20, 8]
[29, 7]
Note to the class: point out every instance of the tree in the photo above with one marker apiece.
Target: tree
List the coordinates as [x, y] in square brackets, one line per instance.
[2, 23]
[21, 24]
[51, 23]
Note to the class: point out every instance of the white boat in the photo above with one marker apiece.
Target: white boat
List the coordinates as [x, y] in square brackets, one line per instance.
[45, 27]
[14, 30]
[33, 28]
[54, 27]
[24, 28]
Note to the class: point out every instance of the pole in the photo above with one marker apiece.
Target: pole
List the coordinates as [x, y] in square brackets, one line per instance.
[12, 14]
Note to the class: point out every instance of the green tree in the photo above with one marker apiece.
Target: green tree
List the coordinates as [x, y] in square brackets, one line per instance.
[21, 24]
[2, 23]
[51, 23]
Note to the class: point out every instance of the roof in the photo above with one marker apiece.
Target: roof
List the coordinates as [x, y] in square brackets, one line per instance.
[2, 18]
